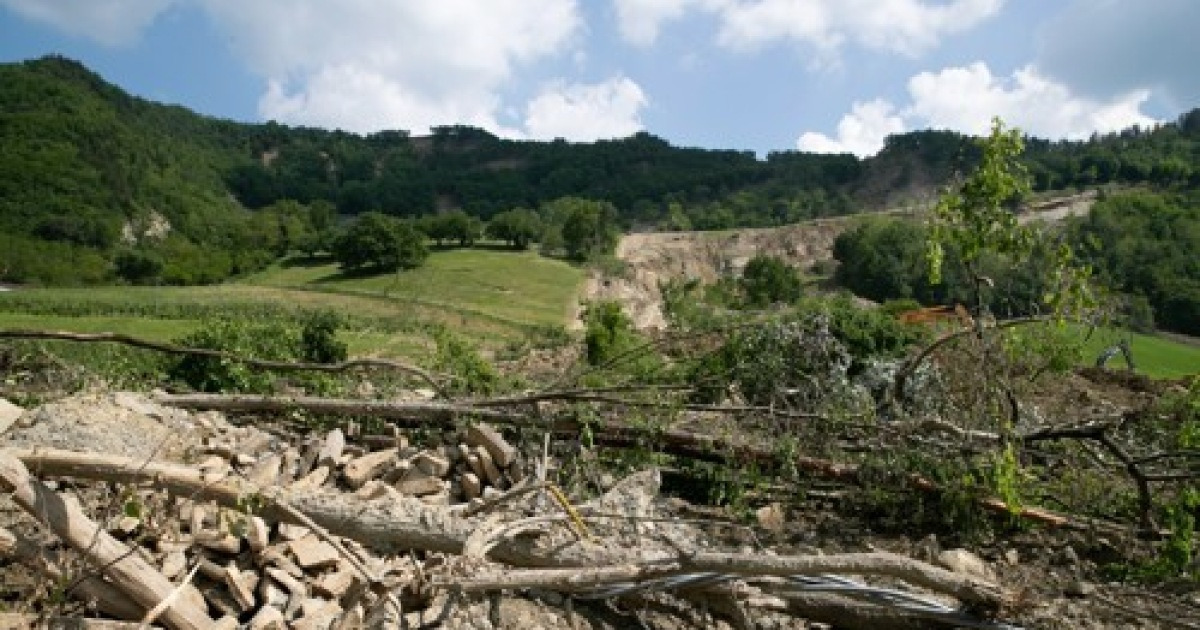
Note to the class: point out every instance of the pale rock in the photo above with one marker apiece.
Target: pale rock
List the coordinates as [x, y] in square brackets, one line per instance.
[966, 563]
[431, 464]
[471, 486]
[173, 564]
[771, 517]
[258, 534]
[369, 466]
[272, 593]
[312, 480]
[331, 450]
[268, 618]
[287, 531]
[490, 472]
[9, 413]
[351, 620]
[1079, 588]
[266, 472]
[243, 593]
[222, 542]
[311, 553]
[417, 483]
[227, 622]
[503, 453]
[334, 585]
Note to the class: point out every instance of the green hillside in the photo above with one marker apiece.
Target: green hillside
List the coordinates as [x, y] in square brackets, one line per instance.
[97, 185]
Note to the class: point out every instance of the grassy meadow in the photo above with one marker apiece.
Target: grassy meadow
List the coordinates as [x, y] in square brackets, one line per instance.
[491, 297]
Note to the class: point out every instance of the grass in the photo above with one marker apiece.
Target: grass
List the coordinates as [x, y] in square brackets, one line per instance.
[1154, 356]
[519, 288]
[493, 298]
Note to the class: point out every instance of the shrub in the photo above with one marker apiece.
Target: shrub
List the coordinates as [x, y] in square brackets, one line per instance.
[770, 280]
[267, 341]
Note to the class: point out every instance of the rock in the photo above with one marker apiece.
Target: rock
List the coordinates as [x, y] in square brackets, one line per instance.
[314, 479]
[1068, 557]
[266, 472]
[258, 535]
[471, 486]
[369, 466]
[490, 472]
[351, 620]
[268, 618]
[222, 542]
[373, 489]
[287, 531]
[928, 549]
[475, 465]
[173, 564]
[242, 594]
[228, 622]
[771, 517]
[331, 450]
[966, 563]
[1079, 588]
[312, 553]
[503, 454]
[430, 464]
[316, 614]
[334, 585]
[8, 415]
[418, 483]
[272, 593]
[1012, 557]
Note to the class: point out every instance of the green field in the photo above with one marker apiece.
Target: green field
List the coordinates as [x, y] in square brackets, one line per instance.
[1154, 356]
[491, 297]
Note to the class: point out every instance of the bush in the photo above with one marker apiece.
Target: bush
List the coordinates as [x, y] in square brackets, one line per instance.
[770, 280]
[318, 338]
[471, 372]
[267, 341]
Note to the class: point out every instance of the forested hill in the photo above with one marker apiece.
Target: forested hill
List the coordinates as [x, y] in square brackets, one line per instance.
[91, 177]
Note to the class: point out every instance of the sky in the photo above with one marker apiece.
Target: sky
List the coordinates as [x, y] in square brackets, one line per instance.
[758, 75]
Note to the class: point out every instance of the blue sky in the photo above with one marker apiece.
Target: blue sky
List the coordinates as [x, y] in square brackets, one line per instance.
[762, 75]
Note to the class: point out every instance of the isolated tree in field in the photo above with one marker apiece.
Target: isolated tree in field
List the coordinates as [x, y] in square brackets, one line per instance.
[589, 228]
[770, 280]
[377, 241]
[454, 226]
[518, 227]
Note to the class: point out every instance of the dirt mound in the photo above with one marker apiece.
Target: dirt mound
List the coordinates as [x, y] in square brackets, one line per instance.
[653, 259]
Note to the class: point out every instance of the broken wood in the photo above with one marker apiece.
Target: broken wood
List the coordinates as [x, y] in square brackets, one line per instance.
[126, 571]
[410, 524]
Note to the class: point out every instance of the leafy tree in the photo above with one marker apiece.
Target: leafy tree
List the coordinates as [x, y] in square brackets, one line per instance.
[518, 227]
[456, 226]
[589, 228]
[379, 242]
[770, 280]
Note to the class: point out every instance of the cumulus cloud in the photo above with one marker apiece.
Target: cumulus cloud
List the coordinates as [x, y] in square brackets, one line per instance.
[109, 22]
[860, 132]
[609, 109]
[904, 26]
[364, 65]
[966, 98]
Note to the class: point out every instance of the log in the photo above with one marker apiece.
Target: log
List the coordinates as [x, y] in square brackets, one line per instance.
[125, 570]
[108, 599]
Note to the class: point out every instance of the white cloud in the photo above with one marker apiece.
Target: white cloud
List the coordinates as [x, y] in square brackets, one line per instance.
[860, 132]
[365, 65]
[966, 98]
[609, 109]
[904, 26]
[109, 22]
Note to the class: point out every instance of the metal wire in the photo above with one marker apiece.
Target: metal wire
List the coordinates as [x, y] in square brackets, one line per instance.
[880, 596]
